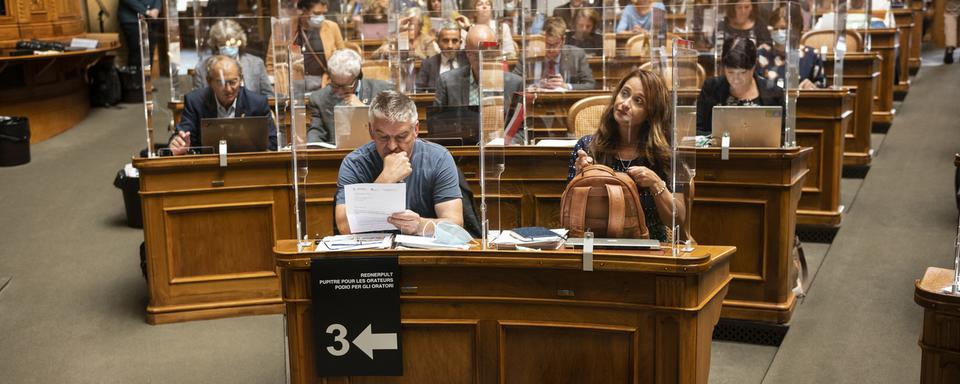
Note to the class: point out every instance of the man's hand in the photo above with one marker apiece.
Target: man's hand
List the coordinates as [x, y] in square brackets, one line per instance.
[583, 160]
[153, 13]
[353, 100]
[179, 143]
[408, 222]
[396, 167]
[553, 82]
[645, 177]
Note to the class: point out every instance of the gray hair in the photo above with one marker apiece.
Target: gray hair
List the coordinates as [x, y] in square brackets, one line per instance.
[344, 62]
[393, 106]
[224, 30]
[449, 26]
[219, 61]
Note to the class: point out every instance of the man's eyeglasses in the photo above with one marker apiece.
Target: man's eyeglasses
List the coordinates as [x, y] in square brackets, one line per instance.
[344, 87]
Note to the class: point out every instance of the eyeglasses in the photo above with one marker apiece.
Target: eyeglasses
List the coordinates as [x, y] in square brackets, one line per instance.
[344, 87]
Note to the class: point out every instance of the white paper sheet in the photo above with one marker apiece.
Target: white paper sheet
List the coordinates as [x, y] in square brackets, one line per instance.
[369, 205]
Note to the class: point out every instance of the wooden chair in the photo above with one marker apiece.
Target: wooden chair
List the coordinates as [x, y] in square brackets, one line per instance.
[689, 70]
[354, 46]
[492, 118]
[636, 46]
[584, 116]
[825, 38]
[536, 47]
[376, 69]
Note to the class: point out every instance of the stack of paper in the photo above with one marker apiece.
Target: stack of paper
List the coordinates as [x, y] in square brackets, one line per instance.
[355, 242]
[511, 240]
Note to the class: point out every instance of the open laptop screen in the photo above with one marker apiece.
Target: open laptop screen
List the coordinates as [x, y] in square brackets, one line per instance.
[243, 134]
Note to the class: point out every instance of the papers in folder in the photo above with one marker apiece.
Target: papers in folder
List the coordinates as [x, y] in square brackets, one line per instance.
[369, 205]
[356, 242]
[511, 240]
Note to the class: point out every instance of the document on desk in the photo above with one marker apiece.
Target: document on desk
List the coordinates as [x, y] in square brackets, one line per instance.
[369, 205]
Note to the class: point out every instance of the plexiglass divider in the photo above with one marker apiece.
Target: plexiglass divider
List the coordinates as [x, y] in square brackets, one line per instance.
[494, 105]
[684, 82]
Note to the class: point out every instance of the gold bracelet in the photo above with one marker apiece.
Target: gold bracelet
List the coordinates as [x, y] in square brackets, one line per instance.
[663, 187]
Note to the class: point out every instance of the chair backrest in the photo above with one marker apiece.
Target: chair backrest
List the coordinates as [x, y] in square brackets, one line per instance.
[584, 116]
[637, 45]
[825, 37]
[376, 69]
[491, 115]
[536, 46]
[354, 46]
[692, 74]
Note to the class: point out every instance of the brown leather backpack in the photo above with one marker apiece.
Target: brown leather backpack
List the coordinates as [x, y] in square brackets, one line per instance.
[604, 201]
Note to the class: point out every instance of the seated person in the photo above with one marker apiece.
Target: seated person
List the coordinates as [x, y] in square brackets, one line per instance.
[584, 33]
[856, 17]
[633, 137]
[421, 43]
[639, 18]
[460, 86]
[771, 63]
[743, 20]
[450, 57]
[396, 155]
[225, 96]
[317, 38]
[347, 87]
[739, 84]
[483, 15]
[564, 66]
[569, 10]
[228, 38]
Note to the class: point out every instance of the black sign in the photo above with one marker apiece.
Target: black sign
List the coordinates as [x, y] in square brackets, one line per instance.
[356, 316]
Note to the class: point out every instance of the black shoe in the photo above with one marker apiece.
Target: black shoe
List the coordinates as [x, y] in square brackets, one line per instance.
[948, 56]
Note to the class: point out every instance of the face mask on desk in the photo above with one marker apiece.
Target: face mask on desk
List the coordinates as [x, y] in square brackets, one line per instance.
[451, 234]
[230, 50]
[315, 21]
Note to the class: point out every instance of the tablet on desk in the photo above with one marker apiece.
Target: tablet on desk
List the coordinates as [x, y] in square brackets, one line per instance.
[577, 242]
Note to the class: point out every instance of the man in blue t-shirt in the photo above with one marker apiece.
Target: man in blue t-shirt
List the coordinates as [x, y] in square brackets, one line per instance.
[396, 155]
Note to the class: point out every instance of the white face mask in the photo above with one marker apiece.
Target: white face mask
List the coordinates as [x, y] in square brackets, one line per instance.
[779, 36]
[509, 6]
[316, 20]
[452, 234]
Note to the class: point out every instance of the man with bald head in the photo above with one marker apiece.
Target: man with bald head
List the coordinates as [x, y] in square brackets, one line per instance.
[460, 86]
[223, 97]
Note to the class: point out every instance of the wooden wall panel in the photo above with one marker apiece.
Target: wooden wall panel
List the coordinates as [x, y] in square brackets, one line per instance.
[749, 217]
[433, 349]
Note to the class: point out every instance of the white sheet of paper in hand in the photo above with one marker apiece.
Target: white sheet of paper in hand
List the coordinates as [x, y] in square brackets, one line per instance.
[369, 205]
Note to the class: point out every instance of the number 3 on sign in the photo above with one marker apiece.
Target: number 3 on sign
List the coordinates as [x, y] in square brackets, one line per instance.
[339, 336]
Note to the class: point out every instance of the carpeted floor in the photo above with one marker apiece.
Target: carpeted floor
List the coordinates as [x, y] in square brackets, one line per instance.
[72, 308]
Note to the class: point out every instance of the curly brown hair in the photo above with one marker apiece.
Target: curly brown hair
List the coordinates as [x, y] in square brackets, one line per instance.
[655, 133]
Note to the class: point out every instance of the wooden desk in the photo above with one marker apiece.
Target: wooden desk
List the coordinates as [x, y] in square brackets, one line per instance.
[862, 71]
[941, 325]
[750, 201]
[904, 20]
[823, 117]
[885, 42]
[918, 8]
[534, 317]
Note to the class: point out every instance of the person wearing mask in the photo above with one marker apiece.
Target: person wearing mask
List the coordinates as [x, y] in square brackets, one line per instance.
[743, 20]
[450, 57]
[461, 87]
[771, 63]
[227, 38]
[317, 38]
[396, 155]
[584, 33]
[564, 66]
[634, 137]
[639, 17]
[223, 97]
[739, 85]
[346, 87]
[483, 15]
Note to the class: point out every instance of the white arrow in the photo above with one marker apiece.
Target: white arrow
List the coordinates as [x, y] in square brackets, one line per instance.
[367, 341]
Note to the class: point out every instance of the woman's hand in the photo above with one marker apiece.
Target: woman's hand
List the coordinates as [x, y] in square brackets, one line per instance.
[583, 160]
[463, 21]
[807, 84]
[645, 177]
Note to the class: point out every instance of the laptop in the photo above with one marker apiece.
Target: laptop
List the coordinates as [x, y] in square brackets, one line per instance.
[751, 126]
[352, 125]
[577, 242]
[243, 134]
[453, 125]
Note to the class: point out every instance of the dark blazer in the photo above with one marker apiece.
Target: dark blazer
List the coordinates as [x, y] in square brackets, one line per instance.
[202, 104]
[128, 10]
[566, 13]
[592, 45]
[430, 70]
[321, 103]
[573, 67]
[454, 87]
[715, 92]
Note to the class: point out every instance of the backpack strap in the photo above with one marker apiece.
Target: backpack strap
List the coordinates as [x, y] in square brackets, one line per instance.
[616, 214]
[578, 209]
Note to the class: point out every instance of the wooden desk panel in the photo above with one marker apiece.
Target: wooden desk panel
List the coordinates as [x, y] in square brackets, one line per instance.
[823, 117]
[862, 71]
[753, 197]
[885, 42]
[916, 41]
[497, 316]
[941, 325]
[904, 20]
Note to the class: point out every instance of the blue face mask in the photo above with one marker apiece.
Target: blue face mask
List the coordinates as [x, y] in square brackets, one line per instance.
[451, 234]
[230, 50]
[779, 36]
[316, 20]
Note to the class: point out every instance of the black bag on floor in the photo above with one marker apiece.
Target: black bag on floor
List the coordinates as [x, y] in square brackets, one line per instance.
[14, 140]
[132, 84]
[130, 186]
[104, 84]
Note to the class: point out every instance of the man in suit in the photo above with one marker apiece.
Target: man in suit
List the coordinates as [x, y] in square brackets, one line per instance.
[128, 13]
[460, 86]
[564, 67]
[224, 97]
[347, 87]
[450, 57]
